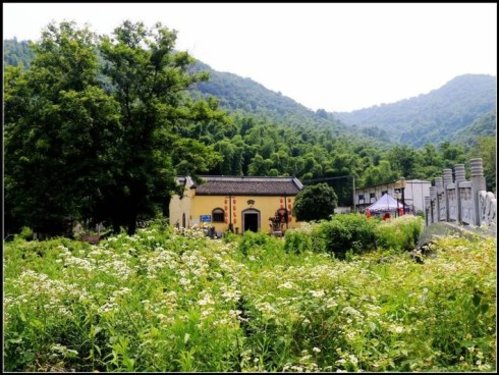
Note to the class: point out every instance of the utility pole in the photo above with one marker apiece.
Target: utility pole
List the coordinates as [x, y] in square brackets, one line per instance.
[286, 208]
[231, 227]
[353, 193]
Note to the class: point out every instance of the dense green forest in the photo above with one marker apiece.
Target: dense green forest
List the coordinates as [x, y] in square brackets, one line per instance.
[483, 126]
[103, 124]
[16, 53]
[436, 116]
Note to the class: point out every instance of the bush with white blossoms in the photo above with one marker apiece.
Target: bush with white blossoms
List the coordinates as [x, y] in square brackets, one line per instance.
[170, 300]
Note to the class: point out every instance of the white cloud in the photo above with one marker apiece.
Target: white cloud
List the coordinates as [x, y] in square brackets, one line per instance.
[332, 56]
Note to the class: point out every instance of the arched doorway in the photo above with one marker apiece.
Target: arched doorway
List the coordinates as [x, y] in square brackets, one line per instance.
[251, 220]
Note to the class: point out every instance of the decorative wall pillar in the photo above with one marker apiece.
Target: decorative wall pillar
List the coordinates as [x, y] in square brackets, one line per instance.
[441, 206]
[447, 180]
[427, 208]
[433, 204]
[459, 174]
[477, 185]
[465, 202]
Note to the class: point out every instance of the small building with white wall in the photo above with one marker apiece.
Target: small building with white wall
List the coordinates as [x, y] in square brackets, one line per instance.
[411, 192]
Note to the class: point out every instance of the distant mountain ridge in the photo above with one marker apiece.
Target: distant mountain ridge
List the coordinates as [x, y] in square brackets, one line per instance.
[244, 95]
[440, 115]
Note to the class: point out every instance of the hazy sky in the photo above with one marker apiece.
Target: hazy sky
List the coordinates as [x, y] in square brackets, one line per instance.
[339, 57]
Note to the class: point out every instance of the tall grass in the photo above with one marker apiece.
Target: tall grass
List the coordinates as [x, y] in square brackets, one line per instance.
[167, 301]
[399, 234]
[355, 234]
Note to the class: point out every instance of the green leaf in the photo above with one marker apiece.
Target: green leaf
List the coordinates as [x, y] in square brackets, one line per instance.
[16, 341]
[484, 308]
[476, 299]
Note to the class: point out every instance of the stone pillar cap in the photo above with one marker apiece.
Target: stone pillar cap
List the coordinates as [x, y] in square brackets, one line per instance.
[460, 173]
[476, 167]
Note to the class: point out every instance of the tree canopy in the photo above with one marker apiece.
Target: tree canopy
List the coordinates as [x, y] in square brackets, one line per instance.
[315, 202]
[93, 126]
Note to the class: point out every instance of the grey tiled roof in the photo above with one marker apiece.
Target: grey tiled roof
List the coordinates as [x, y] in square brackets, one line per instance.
[225, 185]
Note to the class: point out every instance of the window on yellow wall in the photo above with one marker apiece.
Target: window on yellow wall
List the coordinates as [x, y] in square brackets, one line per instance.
[218, 215]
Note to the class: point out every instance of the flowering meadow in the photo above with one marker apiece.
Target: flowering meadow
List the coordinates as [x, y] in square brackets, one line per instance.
[165, 300]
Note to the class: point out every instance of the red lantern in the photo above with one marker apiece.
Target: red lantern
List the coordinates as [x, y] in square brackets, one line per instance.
[235, 208]
[281, 200]
[234, 201]
[289, 207]
[234, 214]
[289, 200]
[225, 201]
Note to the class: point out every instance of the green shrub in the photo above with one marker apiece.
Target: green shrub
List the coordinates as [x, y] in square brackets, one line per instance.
[26, 234]
[399, 234]
[251, 240]
[347, 232]
[228, 237]
[297, 241]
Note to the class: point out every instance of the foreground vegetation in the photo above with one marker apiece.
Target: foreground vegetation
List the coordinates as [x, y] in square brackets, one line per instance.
[162, 300]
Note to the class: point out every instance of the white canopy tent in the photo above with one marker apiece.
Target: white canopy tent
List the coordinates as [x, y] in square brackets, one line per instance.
[385, 204]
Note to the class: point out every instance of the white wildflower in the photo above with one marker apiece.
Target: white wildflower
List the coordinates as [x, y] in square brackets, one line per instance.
[396, 329]
[353, 359]
[206, 300]
[286, 285]
[351, 311]
[318, 293]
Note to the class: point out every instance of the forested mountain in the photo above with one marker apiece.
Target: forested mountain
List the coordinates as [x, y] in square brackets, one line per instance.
[433, 117]
[243, 95]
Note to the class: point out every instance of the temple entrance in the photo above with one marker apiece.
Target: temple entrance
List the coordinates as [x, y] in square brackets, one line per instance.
[251, 220]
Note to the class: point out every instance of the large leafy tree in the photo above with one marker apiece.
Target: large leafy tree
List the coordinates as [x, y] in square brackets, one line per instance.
[94, 128]
[149, 78]
[60, 128]
[315, 202]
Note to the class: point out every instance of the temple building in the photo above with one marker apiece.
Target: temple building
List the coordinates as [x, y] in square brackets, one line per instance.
[235, 203]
